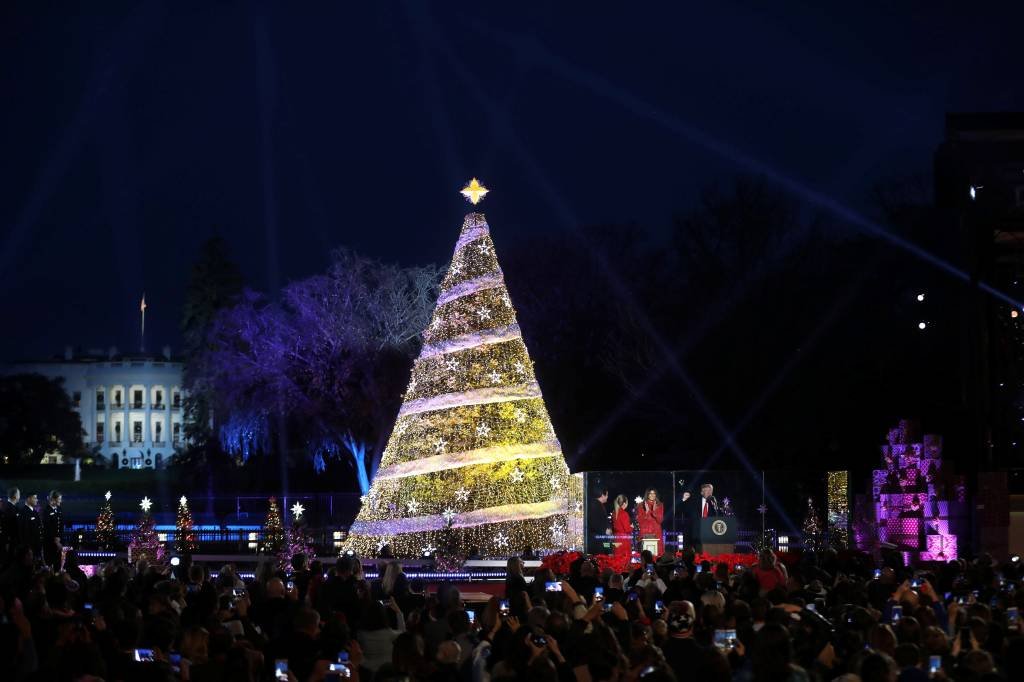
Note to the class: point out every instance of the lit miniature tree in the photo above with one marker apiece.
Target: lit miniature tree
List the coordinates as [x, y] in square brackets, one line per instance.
[105, 524]
[184, 536]
[473, 461]
[273, 530]
[297, 540]
[145, 543]
[811, 529]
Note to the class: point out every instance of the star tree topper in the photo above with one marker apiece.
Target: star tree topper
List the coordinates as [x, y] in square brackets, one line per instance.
[108, 496]
[183, 501]
[474, 191]
[297, 509]
[146, 504]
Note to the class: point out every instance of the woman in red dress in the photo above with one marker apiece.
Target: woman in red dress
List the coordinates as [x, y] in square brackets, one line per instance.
[649, 516]
[622, 527]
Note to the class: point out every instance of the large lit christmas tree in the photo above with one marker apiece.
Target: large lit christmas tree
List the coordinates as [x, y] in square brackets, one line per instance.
[145, 543]
[105, 524]
[473, 449]
[185, 535]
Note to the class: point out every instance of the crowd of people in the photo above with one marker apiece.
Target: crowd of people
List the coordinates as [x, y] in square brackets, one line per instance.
[824, 616]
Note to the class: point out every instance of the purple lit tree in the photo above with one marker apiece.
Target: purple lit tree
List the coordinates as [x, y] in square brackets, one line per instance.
[329, 361]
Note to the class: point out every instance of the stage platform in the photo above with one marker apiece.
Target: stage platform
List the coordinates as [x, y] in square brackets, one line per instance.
[478, 572]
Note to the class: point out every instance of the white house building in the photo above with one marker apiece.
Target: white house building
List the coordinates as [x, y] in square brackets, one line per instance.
[131, 405]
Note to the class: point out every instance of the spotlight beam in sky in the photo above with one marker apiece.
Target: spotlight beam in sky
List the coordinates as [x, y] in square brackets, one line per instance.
[797, 356]
[567, 218]
[132, 38]
[527, 47]
[717, 310]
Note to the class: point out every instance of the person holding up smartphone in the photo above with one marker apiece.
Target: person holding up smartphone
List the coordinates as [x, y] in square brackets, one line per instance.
[650, 577]
[376, 636]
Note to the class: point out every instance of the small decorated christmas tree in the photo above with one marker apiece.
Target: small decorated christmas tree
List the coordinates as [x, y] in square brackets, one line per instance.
[105, 525]
[273, 530]
[185, 536]
[297, 540]
[812, 530]
[145, 543]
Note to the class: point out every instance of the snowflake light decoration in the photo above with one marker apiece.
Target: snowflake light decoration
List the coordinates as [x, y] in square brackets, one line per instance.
[439, 445]
[448, 514]
[483, 430]
[501, 540]
[517, 475]
[462, 495]
[412, 505]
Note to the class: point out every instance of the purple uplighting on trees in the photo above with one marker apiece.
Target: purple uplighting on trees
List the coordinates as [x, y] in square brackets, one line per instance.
[327, 362]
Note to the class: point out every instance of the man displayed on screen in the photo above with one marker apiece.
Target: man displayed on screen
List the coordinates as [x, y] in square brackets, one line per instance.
[702, 507]
[598, 523]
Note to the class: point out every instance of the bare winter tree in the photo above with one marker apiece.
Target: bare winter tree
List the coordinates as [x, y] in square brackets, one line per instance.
[331, 359]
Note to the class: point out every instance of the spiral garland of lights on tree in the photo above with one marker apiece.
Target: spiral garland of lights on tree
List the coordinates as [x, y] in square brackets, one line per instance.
[473, 461]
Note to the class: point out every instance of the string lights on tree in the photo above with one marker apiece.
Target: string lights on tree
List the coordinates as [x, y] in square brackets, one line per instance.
[471, 460]
[811, 529]
[837, 494]
[273, 529]
[105, 535]
[144, 542]
[297, 540]
[185, 535]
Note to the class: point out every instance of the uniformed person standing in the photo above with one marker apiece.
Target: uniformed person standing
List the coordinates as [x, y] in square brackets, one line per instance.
[9, 525]
[30, 527]
[53, 531]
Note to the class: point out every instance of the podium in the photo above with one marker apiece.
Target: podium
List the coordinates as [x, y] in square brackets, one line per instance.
[718, 534]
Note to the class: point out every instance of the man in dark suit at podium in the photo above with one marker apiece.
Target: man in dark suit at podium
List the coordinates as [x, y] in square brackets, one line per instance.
[702, 507]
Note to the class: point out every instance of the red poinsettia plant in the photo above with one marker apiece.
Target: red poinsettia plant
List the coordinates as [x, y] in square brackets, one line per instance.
[561, 562]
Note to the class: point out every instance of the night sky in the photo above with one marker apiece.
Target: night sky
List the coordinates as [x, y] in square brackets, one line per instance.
[133, 131]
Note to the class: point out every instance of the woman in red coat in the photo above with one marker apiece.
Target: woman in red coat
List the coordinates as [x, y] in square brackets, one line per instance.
[622, 526]
[649, 516]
